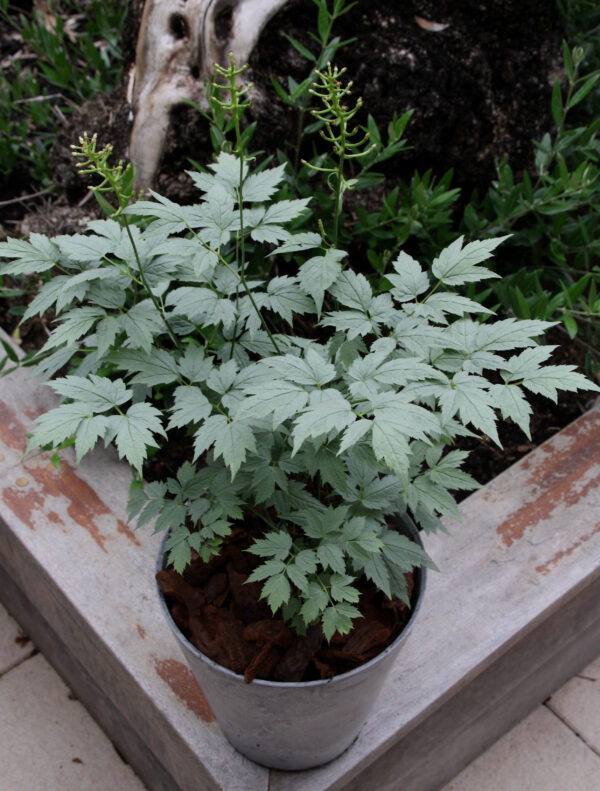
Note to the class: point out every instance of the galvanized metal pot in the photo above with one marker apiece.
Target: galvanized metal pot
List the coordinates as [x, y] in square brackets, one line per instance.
[295, 725]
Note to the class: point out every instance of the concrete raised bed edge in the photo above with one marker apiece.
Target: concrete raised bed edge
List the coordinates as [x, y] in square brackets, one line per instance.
[513, 614]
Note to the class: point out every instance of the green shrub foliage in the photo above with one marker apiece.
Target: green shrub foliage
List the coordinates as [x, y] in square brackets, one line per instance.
[317, 406]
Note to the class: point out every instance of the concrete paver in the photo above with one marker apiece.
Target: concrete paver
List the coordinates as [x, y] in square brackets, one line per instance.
[578, 703]
[49, 741]
[13, 647]
[538, 753]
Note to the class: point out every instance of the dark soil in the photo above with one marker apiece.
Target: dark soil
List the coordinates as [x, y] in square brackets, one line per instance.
[224, 618]
[477, 74]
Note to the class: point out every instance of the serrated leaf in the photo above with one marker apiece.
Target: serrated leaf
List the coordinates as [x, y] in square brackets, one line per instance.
[318, 273]
[84, 249]
[446, 472]
[190, 406]
[142, 323]
[276, 591]
[202, 306]
[74, 325]
[267, 569]
[331, 556]
[281, 399]
[457, 264]
[511, 402]
[546, 381]
[410, 280]
[354, 433]
[316, 601]
[194, 365]
[232, 442]
[469, 396]
[424, 490]
[274, 545]
[310, 370]
[57, 425]
[88, 433]
[341, 588]
[261, 186]
[36, 255]
[285, 297]
[133, 432]
[97, 392]
[330, 412]
[298, 242]
[159, 368]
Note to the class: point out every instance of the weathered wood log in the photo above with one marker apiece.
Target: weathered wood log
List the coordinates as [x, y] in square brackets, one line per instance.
[179, 43]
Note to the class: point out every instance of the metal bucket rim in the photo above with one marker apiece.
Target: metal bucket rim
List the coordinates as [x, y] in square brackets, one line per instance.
[421, 572]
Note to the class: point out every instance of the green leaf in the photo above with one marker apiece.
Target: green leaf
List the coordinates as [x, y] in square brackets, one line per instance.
[75, 324]
[276, 591]
[432, 495]
[447, 472]
[281, 399]
[327, 412]
[159, 368]
[98, 392]
[88, 433]
[267, 569]
[511, 402]
[194, 365]
[316, 601]
[261, 186]
[341, 588]
[37, 255]
[190, 406]
[232, 442]
[133, 432]
[469, 396]
[338, 618]
[275, 545]
[84, 249]
[202, 306]
[318, 273]
[58, 424]
[298, 242]
[410, 280]
[457, 265]
[283, 212]
[546, 381]
[404, 553]
[142, 323]
[582, 92]
[106, 332]
[331, 556]
[354, 433]
[312, 370]
[287, 298]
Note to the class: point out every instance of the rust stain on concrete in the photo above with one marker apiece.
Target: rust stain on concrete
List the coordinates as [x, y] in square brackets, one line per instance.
[124, 528]
[557, 477]
[54, 518]
[84, 504]
[12, 431]
[181, 680]
[141, 631]
[547, 567]
[23, 504]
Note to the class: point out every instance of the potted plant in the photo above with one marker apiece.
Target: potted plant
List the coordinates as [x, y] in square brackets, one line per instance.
[314, 408]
